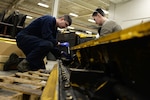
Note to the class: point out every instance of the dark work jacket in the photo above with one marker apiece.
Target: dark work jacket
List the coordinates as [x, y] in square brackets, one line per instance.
[43, 27]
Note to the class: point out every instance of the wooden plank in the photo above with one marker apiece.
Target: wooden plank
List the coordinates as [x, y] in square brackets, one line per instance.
[38, 73]
[31, 77]
[44, 71]
[22, 89]
[10, 95]
[10, 79]
[7, 73]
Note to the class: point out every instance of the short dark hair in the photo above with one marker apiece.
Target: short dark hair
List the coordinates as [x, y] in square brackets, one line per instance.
[98, 10]
[68, 19]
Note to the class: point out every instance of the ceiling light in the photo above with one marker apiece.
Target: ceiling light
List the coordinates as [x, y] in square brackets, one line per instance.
[105, 11]
[43, 5]
[118, 1]
[29, 17]
[72, 14]
[91, 20]
[89, 32]
[77, 32]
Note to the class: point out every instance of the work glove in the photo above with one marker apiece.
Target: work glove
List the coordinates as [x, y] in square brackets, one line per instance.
[65, 44]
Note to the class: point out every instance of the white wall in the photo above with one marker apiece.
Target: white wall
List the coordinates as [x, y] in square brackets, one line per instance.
[130, 13]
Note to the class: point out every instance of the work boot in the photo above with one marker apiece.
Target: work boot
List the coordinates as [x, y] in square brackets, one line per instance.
[12, 62]
[23, 66]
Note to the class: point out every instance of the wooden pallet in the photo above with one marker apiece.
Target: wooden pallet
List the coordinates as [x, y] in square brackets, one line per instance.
[6, 94]
[27, 86]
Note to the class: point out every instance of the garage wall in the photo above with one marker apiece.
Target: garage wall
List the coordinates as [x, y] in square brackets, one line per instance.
[130, 13]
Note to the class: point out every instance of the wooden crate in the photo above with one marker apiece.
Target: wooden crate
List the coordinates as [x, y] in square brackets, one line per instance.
[30, 84]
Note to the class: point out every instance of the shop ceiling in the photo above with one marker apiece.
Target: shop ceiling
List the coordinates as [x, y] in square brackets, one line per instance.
[83, 8]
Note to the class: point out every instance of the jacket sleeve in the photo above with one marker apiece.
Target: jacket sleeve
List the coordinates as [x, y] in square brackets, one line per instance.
[49, 31]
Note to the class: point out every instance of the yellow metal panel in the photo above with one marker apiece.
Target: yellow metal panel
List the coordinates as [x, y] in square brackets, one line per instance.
[8, 46]
[7, 40]
[50, 91]
[129, 33]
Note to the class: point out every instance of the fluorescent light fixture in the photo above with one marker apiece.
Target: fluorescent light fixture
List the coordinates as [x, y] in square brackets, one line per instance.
[77, 32]
[89, 32]
[72, 14]
[70, 27]
[106, 12]
[91, 20]
[29, 17]
[43, 5]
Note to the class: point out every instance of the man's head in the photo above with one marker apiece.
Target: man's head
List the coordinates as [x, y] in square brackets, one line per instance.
[64, 21]
[99, 16]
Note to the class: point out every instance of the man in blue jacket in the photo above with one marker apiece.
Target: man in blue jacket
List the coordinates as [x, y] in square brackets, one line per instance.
[39, 38]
